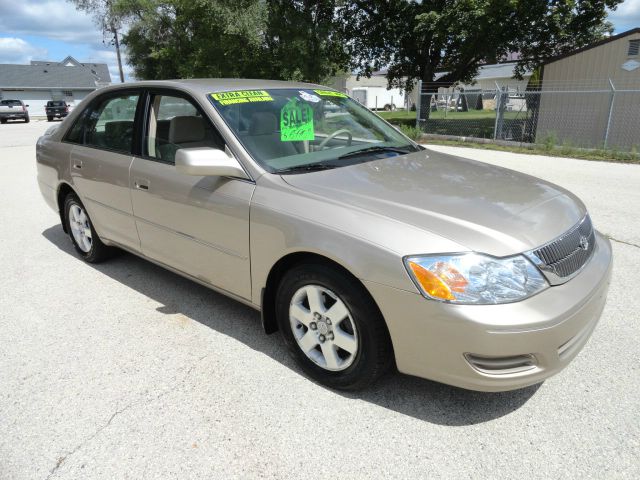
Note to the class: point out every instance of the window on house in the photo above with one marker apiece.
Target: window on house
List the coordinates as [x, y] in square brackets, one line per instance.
[634, 47]
[67, 93]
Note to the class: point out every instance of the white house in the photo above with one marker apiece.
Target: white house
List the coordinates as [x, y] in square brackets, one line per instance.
[45, 80]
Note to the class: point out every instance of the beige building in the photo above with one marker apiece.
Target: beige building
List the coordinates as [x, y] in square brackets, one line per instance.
[592, 95]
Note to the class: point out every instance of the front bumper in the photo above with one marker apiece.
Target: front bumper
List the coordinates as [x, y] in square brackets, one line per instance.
[439, 341]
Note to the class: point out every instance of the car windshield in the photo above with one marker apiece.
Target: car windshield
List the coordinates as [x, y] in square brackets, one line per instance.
[298, 130]
[12, 103]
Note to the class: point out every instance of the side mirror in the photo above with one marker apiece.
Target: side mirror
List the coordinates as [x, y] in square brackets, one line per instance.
[27, 106]
[206, 161]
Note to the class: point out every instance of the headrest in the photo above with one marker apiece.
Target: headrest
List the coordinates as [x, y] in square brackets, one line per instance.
[186, 130]
[118, 128]
[263, 123]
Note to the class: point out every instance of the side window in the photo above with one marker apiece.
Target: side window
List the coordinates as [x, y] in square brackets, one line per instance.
[107, 124]
[174, 123]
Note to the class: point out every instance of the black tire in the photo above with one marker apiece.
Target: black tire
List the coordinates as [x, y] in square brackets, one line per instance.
[374, 355]
[99, 251]
[26, 119]
[3, 121]
[49, 119]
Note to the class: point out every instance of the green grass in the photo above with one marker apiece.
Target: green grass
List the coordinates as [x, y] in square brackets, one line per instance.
[403, 115]
[473, 123]
[481, 123]
[548, 149]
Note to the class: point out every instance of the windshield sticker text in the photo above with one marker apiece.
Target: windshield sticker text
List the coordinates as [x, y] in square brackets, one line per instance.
[296, 122]
[330, 93]
[242, 96]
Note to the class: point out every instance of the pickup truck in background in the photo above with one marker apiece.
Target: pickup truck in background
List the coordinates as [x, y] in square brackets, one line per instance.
[13, 110]
[56, 109]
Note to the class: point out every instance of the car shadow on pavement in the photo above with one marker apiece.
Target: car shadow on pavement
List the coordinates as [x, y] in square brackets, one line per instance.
[422, 399]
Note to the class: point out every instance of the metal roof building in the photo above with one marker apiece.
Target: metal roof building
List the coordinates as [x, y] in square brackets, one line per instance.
[592, 95]
[45, 80]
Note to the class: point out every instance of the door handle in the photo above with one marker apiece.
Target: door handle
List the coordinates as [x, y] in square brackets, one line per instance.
[141, 185]
[77, 164]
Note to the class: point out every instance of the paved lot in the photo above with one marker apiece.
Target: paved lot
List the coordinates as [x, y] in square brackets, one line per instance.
[124, 370]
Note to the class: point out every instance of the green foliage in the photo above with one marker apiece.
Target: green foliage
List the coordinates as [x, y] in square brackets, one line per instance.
[549, 141]
[278, 39]
[302, 40]
[194, 38]
[414, 133]
[417, 38]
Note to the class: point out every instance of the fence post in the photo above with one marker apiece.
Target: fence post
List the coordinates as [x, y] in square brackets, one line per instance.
[611, 101]
[498, 125]
[418, 103]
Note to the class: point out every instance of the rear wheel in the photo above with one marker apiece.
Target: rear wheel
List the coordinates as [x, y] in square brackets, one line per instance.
[49, 118]
[26, 119]
[332, 328]
[83, 236]
[4, 120]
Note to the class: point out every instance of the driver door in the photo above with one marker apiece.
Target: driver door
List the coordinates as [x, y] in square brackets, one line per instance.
[197, 225]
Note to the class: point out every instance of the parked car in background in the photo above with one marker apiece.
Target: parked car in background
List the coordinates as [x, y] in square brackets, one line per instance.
[13, 110]
[364, 249]
[56, 109]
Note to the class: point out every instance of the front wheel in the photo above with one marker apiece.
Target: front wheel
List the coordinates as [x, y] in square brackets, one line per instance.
[332, 328]
[83, 236]
[49, 118]
[26, 119]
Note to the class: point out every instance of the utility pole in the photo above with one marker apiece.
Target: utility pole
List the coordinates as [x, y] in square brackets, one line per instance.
[114, 30]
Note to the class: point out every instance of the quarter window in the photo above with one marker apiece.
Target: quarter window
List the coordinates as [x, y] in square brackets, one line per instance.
[174, 123]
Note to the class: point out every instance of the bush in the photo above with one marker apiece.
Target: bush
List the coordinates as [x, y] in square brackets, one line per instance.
[414, 133]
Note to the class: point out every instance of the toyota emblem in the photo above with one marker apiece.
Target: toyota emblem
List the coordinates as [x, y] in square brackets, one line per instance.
[584, 243]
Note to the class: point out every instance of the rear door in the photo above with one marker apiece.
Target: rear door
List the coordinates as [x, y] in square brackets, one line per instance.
[103, 136]
[198, 225]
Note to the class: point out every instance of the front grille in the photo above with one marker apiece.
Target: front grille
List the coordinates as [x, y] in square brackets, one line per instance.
[568, 254]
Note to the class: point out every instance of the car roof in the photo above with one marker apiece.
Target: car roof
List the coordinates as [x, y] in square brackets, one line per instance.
[213, 85]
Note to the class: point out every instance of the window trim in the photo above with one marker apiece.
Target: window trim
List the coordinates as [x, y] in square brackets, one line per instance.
[100, 98]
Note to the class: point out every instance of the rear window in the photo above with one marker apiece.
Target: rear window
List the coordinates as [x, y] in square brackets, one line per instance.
[55, 103]
[15, 103]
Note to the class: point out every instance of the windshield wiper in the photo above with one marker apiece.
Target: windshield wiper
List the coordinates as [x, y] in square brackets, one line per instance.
[313, 167]
[376, 148]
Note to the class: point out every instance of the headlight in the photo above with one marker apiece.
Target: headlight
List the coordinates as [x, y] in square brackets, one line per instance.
[472, 278]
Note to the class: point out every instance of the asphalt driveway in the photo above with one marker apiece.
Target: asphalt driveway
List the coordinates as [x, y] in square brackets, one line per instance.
[124, 370]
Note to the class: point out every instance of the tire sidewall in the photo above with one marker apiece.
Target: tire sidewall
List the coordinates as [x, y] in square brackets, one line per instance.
[91, 255]
[365, 316]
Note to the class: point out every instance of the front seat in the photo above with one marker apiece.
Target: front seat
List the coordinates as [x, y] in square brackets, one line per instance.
[184, 132]
[264, 139]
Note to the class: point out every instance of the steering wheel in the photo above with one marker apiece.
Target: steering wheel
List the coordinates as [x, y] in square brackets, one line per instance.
[334, 135]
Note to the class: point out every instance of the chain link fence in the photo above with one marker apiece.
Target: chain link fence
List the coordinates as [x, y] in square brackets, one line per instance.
[598, 114]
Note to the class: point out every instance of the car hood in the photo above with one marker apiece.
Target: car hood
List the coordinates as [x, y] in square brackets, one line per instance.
[486, 208]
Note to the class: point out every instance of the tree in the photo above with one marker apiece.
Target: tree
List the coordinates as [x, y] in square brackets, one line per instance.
[194, 38]
[415, 39]
[106, 17]
[302, 40]
[278, 39]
